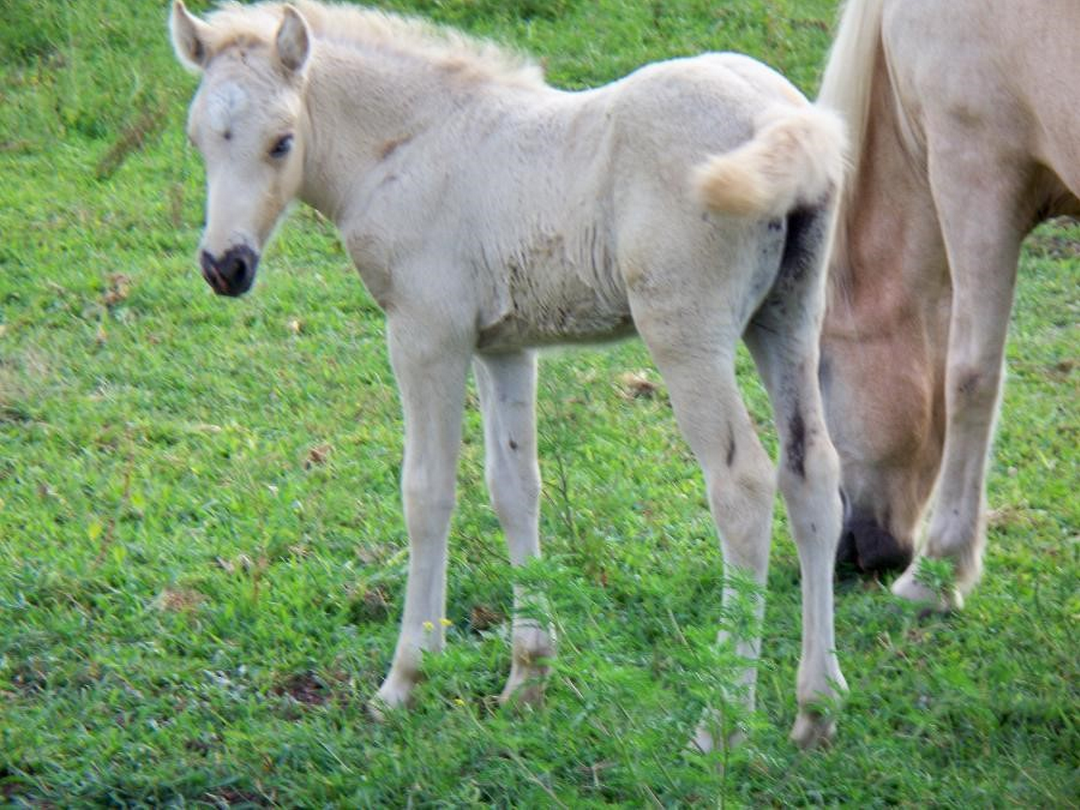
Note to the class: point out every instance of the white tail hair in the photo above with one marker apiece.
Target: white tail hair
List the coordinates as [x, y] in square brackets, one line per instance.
[795, 159]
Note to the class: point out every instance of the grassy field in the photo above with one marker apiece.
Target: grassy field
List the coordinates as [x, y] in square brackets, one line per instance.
[202, 556]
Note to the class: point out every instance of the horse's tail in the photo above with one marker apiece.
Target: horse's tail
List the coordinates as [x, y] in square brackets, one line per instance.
[794, 160]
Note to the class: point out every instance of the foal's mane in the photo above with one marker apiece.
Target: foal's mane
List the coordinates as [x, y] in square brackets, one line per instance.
[232, 23]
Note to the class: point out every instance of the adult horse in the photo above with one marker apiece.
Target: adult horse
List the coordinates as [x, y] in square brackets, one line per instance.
[964, 121]
[489, 214]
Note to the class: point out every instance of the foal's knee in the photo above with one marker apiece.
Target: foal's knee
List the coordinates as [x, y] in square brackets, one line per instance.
[514, 488]
[428, 497]
[741, 498]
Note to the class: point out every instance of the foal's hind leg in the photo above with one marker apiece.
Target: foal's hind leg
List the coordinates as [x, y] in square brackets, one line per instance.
[783, 338]
[507, 387]
[695, 356]
[786, 352]
[981, 222]
[431, 375]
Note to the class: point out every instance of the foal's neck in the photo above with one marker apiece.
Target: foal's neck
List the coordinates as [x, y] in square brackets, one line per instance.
[360, 107]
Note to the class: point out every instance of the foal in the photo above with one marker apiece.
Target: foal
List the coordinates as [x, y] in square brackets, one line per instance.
[490, 214]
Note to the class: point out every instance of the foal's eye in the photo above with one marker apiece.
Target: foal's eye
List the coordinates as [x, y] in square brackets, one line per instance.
[282, 147]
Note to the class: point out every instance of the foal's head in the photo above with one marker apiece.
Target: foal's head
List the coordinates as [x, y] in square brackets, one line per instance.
[247, 120]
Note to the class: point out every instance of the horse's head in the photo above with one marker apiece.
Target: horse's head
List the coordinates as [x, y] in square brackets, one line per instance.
[247, 121]
[880, 405]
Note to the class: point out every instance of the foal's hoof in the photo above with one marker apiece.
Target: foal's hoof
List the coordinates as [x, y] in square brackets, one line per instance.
[813, 730]
[376, 710]
[703, 741]
[909, 588]
[390, 697]
[379, 710]
[525, 692]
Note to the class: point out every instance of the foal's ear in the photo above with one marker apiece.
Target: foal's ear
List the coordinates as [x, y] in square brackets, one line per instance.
[293, 41]
[190, 37]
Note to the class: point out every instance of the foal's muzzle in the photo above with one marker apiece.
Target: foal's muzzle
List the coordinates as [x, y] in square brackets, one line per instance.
[232, 273]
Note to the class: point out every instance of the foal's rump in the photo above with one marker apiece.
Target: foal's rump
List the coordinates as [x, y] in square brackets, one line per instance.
[754, 145]
[743, 155]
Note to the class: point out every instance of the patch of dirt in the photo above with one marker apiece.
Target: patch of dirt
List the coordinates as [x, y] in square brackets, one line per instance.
[236, 797]
[179, 600]
[305, 687]
[119, 286]
[317, 456]
[637, 385]
[372, 604]
[1005, 516]
[1064, 369]
[482, 617]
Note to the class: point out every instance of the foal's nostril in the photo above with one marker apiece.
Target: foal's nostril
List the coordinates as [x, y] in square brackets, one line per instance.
[233, 273]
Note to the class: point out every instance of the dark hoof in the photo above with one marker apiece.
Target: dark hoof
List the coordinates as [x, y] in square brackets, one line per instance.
[869, 548]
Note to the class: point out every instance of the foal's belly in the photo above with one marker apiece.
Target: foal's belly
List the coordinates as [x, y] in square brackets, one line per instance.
[552, 307]
[514, 333]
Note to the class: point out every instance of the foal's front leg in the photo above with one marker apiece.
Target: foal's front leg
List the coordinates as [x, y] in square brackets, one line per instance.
[507, 386]
[431, 375]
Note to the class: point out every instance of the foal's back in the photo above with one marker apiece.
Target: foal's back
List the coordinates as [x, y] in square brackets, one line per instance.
[593, 188]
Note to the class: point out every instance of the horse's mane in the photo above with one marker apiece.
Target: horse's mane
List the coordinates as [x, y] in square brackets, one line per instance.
[846, 88]
[849, 72]
[233, 23]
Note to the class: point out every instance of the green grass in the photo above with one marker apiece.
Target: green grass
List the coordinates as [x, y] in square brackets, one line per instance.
[203, 553]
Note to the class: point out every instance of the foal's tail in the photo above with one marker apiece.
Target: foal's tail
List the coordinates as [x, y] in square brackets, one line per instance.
[795, 160]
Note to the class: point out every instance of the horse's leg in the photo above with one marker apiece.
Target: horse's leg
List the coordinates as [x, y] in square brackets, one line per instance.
[431, 376]
[696, 359]
[507, 388]
[979, 215]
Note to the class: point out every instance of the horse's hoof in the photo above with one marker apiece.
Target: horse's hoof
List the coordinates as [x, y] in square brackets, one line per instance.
[813, 730]
[909, 588]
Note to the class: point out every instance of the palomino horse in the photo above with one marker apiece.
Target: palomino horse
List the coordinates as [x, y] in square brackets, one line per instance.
[964, 122]
[490, 214]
